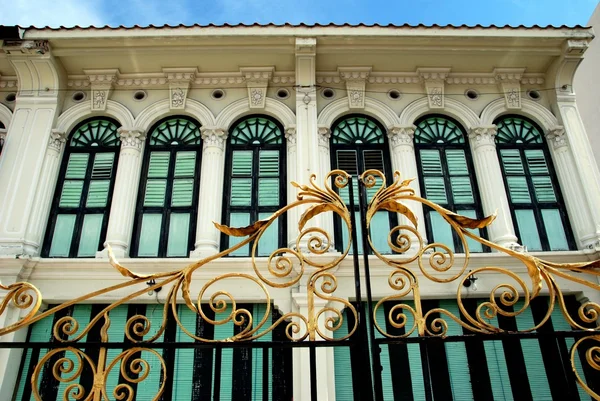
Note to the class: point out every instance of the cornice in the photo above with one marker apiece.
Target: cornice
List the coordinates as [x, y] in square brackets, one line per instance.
[411, 78]
[206, 79]
[9, 81]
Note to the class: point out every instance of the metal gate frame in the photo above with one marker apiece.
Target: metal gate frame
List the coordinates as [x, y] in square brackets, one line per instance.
[286, 267]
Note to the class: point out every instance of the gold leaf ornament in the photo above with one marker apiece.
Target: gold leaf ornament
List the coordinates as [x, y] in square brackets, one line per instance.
[242, 231]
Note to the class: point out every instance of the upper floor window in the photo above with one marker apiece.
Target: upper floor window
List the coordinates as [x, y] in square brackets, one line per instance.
[168, 194]
[446, 177]
[358, 144]
[255, 184]
[537, 207]
[79, 215]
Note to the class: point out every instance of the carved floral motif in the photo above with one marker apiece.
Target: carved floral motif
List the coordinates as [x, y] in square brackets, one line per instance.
[513, 98]
[99, 99]
[214, 137]
[324, 135]
[290, 135]
[256, 96]
[57, 140]
[131, 138]
[557, 138]
[177, 97]
[401, 136]
[483, 136]
[436, 97]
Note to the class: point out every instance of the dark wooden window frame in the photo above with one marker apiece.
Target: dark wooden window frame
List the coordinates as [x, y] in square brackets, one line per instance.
[360, 148]
[166, 210]
[254, 209]
[536, 206]
[446, 175]
[82, 210]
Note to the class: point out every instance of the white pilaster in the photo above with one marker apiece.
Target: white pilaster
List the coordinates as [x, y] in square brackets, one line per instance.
[402, 148]
[43, 197]
[307, 156]
[572, 189]
[122, 209]
[36, 109]
[211, 192]
[325, 220]
[491, 187]
[292, 173]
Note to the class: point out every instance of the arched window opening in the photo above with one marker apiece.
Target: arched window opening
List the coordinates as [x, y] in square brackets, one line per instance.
[446, 177]
[255, 184]
[538, 211]
[79, 215]
[168, 195]
[358, 143]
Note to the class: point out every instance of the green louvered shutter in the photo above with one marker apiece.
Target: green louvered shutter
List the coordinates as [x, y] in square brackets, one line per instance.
[386, 372]
[532, 353]
[82, 199]
[255, 182]
[257, 357]
[183, 373]
[456, 355]
[342, 366]
[167, 204]
[222, 332]
[497, 367]
[446, 178]
[538, 211]
[116, 333]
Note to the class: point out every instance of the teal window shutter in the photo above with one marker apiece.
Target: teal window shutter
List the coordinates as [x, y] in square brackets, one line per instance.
[222, 332]
[118, 320]
[342, 366]
[255, 182]
[358, 144]
[79, 214]
[183, 373]
[168, 195]
[447, 178]
[536, 202]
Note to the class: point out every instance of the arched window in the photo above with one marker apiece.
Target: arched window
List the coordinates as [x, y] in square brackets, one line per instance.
[537, 206]
[2, 139]
[255, 181]
[358, 143]
[168, 196]
[79, 215]
[446, 177]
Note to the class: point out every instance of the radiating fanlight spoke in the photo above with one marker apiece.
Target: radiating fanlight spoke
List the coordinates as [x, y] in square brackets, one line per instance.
[256, 130]
[357, 130]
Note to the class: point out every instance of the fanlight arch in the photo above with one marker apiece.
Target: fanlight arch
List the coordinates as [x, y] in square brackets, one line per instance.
[529, 108]
[161, 110]
[453, 108]
[76, 114]
[240, 108]
[373, 108]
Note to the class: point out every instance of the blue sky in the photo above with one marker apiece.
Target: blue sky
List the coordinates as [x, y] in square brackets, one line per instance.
[144, 12]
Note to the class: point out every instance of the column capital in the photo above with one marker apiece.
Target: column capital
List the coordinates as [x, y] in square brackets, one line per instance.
[131, 137]
[401, 135]
[290, 134]
[483, 135]
[56, 140]
[324, 133]
[214, 137]
[556, 137]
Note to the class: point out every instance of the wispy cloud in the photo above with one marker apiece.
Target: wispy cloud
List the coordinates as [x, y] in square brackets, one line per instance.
[53, 13]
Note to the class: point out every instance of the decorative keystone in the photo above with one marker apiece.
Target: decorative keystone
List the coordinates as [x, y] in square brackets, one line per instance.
[102, 83]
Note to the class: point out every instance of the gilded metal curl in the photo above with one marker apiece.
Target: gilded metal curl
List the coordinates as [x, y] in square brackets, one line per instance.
[414, 260]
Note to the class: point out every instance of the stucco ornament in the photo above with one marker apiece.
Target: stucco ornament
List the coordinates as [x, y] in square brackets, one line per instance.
[482, 136]
[177, 97]
[435, 97]
[513, 98]
[256, 96]
[57, 140]
[290, 135]
[214, 137]
[99, 100]
[355, 97]
[131, 138]
[324, 135]
[399, 136]
[557, 138]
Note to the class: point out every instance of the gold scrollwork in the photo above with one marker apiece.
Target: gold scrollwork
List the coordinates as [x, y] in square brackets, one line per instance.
[412, 261]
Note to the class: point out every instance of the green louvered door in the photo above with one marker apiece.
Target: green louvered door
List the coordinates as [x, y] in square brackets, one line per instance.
[168, 198]
[81, 205]
[255, 182]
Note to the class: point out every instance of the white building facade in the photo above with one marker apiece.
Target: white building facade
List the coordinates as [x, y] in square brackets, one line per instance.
[141, 138]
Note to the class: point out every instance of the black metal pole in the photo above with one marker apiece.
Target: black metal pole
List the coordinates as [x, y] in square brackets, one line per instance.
[426, 373]
[375, 350]
[217, 378]
[313, 374]
[265, 374]
[359, 340]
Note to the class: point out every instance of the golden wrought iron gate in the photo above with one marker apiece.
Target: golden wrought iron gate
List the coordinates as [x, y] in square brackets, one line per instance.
[92, 360]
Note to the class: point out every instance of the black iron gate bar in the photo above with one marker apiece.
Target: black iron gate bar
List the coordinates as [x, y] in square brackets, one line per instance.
[387, 198]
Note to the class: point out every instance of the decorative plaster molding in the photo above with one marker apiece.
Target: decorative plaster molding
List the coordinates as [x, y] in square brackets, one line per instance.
[434, 80]
[179, 80]
[102, 83]
[509, 81]
[401, 135]
[26, 47]
[9, 82]
[483, 135]
[556, 136]
[324, 133]
[575, 47]
[291, 135]
[131, 137]
[214, 137]
[57, 140]
[356, 79]
[306, 46]
[257, 81]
